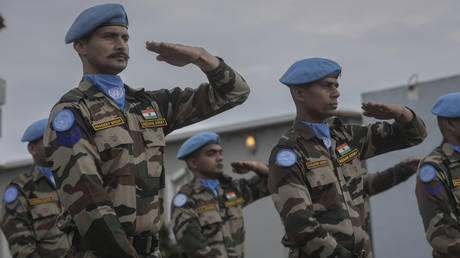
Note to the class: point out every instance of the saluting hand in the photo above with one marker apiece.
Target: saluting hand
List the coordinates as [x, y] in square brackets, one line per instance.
[181, 55]
[387, 111]
[243, 167]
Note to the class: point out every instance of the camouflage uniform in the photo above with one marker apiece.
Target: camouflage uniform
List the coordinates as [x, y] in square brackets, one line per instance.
[375, 183]
[32, 222]
[439, 201]
[206, 227]
[320, 197]
[109, 164]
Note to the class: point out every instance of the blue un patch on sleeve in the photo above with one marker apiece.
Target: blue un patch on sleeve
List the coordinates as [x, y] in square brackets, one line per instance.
[427, 173]
[180, 200]
[10, 194]
[286, 158]
[63, 120]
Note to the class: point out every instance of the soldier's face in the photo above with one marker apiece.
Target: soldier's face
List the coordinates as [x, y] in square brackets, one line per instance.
[319, 100]
[208, 161]
[106, 51]
[37, 150]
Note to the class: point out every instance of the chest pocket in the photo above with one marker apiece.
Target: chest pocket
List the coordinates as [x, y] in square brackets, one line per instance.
[353, 173]
[45, 217]
[211, 224]
[235, 222]
[113, 145]
[319, 172]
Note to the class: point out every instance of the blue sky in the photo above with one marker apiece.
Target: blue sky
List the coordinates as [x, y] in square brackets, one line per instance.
[380, 44]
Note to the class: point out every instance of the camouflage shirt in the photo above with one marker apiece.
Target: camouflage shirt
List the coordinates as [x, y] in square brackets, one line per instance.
[109, 164]
[31, 222]
[375, 183]
[320, 197]
[439, 201]
[206, 226]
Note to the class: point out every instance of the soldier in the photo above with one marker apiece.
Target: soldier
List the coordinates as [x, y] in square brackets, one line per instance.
[316, 170]
[105, 140]
[207, 213]
[438, 182]
[375, 183]
[31, 210]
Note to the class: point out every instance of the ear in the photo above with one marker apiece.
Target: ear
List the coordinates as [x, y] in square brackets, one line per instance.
[31, 148]
[297, 93]
[192, 163]
[81, 46]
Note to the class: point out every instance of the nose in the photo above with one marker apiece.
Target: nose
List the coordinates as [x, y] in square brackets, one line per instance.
[220, 157]
[121, 44]
[335, 93]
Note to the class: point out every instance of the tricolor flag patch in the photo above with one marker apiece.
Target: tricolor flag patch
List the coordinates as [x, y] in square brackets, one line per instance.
[343, 149]
[149, 114]
[230, 196]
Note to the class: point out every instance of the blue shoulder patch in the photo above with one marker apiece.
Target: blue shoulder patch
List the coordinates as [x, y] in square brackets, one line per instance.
[10, 194]
[427, 173]
[63, 120]
[286, 158]
[180, 200]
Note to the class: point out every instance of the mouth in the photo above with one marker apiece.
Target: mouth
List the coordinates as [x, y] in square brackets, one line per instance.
[119, 55]
[220, 166]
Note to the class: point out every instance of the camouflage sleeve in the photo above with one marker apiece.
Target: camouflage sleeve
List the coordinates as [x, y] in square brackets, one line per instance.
[293, 202]
[75, 162]
[375, 183]
[442, 228]
[226, 89]
[187, 230]
[382, 137]
[254, 188]
[17, 226]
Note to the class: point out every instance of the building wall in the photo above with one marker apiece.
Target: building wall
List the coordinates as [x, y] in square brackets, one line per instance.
[396, 224]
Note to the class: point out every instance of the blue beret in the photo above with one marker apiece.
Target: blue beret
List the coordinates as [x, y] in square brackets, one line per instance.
[310, 70]
[447, 105]
[195, 142]
[96, 16]
[35, 131]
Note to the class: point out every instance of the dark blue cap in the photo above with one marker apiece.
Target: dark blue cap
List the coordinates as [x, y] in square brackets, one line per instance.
[94, 17]
[447, 105]
[310, 70]
[195, 142]
[35, 131]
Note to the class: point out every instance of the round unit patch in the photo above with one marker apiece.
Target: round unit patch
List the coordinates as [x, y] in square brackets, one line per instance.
[10, 194]
[427, 173]
[286, 158]
[180, 200]
[63, 120]
[116, 92]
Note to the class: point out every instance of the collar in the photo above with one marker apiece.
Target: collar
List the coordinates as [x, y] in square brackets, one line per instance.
[212, 184]
[111, 85]
[46, 171]
[92, 92]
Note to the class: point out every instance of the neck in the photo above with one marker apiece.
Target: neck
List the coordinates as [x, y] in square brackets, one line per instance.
[204, 176]
[452, 140]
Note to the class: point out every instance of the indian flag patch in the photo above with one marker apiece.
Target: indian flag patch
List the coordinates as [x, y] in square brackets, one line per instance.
[230, 196]
[343, 149]
[149, 114]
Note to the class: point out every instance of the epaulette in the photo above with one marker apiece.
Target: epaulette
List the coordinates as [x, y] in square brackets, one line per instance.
[74, 95]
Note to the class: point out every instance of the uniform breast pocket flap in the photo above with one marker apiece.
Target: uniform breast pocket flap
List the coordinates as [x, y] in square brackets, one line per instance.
[112, 137]
[153, 138]
[320, 172]
[44, 210]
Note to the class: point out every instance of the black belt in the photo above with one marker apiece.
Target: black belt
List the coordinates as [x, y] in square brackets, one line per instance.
[144, 244]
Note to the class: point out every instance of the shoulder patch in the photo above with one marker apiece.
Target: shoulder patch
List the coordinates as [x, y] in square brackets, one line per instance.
[427, 173]
[63, 120]
[180, 200]
[286, 158]
[10, 194]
